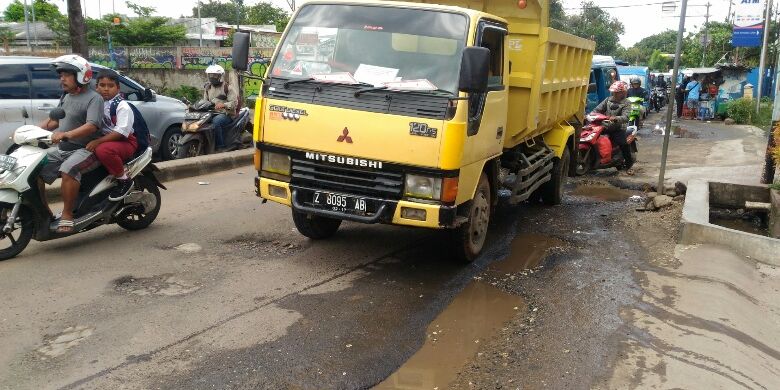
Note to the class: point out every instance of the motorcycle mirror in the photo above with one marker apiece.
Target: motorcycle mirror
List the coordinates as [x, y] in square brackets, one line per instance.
[56, 114]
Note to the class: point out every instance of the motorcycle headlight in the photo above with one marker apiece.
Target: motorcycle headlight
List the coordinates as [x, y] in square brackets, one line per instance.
[423, 187]
[276, 163]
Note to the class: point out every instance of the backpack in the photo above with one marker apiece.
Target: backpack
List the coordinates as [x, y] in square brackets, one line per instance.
[140, 129]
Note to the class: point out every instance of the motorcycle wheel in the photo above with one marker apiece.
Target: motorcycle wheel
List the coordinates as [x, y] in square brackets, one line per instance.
[138, 218]
[12, 244]
[192, 148]
[584, 162]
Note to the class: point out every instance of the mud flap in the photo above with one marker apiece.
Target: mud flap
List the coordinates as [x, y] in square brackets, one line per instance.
[149, 171]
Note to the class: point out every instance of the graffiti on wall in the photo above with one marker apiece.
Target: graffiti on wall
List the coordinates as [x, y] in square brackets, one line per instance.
[116, 58]
[152, 57]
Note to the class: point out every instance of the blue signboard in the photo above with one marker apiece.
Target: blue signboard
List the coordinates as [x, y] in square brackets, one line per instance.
[746, 37]
[748, 23]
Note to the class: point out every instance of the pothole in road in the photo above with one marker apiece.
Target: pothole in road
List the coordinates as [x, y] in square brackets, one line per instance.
[602, 193]
[166, 285]
[527, 251]
[454, 337]
[252, 245]
[58, 344]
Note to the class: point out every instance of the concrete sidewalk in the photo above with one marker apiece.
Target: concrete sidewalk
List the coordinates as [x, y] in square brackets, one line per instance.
[188, 167]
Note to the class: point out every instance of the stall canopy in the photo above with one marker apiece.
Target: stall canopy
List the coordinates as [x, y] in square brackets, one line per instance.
[692, 71]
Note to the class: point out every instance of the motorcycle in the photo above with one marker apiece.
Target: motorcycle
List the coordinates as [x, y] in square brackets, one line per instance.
[198, 130]
[595, 149]
[636, 115]
[658, 98]
[24, 216]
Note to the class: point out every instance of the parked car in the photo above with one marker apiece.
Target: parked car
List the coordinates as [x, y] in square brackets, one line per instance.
[30, 88]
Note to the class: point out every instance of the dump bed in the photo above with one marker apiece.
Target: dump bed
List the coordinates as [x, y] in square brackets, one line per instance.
[550, 69]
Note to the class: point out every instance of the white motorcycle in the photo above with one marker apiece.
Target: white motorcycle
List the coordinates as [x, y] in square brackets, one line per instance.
[24, 216]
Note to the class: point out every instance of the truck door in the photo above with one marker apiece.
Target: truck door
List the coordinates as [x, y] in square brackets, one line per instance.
[487, 134]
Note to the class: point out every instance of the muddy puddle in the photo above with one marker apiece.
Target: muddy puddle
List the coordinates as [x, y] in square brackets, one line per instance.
[602, 193]
[527, 251]
[454, 337]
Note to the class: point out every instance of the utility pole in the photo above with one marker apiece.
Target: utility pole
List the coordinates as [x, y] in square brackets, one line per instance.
[762, 65]
[239, 3]
[35, 27]
[77, 29]
[768, 173]
[706, 39]
[27, 24]
[669, 107]
[200, 25]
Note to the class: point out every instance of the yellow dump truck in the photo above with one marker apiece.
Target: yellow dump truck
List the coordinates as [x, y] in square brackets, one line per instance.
[418, 114]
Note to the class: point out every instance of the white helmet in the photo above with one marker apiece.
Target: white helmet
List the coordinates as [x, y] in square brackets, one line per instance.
[215, 69]
[74, 64]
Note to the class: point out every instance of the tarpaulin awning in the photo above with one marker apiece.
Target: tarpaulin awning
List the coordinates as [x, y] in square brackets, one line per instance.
[691, 71]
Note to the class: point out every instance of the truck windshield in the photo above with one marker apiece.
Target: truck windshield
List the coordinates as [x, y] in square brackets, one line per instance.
[396, 48]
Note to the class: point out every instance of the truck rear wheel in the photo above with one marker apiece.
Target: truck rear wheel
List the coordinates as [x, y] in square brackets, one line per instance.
[314, 226]
[551, 192]
[470, 237]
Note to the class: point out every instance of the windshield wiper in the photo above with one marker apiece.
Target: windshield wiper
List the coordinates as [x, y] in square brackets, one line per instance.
[290, 82]
[370, 89]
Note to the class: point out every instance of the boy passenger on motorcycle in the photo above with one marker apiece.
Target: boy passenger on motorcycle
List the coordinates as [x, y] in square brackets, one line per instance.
[83, 115]
[617, 108]
[117, 143]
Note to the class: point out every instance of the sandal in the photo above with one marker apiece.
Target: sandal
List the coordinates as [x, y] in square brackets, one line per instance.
[65, 226]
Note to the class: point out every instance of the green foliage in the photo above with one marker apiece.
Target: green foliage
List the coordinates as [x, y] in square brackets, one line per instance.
[183, 92]
[258, 14]
[595, 23]
[764, 117]
[44, 11]
[741, 110]
[658, 62]
[141, 11]
[557, 15]
[143, 31]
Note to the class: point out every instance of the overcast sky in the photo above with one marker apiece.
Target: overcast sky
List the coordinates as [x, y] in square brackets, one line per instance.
[642, 18]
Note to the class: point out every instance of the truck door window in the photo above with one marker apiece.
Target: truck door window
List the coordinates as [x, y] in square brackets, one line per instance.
[45, 83]
[14, 82]
[493, 40]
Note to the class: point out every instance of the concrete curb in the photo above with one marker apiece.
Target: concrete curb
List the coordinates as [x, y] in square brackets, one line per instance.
[697, 229]
[189, 167]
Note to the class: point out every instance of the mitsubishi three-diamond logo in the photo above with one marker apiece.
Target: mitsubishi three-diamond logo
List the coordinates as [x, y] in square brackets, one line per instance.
[344, 136]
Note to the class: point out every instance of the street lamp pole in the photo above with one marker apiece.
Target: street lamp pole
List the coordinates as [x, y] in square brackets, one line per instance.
[27, 23]
[668, 130]
[762, 65]
[200, 25]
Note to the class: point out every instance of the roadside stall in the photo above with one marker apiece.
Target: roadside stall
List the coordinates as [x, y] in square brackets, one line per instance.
[710, 80]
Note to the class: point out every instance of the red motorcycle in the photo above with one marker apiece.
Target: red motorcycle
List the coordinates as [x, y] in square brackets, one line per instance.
[595, 149]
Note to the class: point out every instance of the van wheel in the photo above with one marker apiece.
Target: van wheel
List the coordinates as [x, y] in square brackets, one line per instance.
[315, 226]
[470, 237]
[169, 144]
[551, 192]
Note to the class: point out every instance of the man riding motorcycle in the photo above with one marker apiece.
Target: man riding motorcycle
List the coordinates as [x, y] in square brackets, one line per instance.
[225, 99]
[660, 82]
[636, 89]
[84, 113]
[617, 108]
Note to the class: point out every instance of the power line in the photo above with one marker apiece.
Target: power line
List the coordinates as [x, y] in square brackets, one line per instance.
[630, 6]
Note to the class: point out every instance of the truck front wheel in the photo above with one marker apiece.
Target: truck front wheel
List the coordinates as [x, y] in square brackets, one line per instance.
[314, 226]
[552, 191]
[470, 237]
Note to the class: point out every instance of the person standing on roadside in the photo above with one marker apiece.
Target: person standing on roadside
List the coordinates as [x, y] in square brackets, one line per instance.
[679, 96]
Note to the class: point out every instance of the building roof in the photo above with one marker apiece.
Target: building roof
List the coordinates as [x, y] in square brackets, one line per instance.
[37, 29]
[250, 27]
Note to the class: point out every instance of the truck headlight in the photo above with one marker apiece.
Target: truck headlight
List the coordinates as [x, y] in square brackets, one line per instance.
[423, 187]
[276, 163]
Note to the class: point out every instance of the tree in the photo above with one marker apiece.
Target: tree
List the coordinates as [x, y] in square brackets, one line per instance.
[77, 29]
[147, 31]
[557, 15]
[595, 23]
[260, 13]
[659, 62]
[6, 35]
[141, 11]
[44, 11]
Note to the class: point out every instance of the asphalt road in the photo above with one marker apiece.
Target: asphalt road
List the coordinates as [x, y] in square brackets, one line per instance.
[217, 281]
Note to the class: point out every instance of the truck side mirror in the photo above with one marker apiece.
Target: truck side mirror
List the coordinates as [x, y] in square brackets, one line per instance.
[474, 70]
[240, 51]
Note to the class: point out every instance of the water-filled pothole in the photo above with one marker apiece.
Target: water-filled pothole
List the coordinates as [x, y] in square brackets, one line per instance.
[602, 193]
[454, 337]
[527, 251]
[754, 222]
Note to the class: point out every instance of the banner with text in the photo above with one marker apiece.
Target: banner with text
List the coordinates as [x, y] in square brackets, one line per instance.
[748, 23]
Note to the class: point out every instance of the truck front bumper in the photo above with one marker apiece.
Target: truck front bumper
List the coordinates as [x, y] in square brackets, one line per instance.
[388, 211]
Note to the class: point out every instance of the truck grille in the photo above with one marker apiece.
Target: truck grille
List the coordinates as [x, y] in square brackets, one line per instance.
[321, 176]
